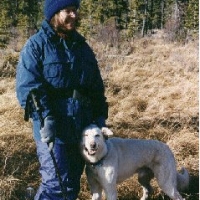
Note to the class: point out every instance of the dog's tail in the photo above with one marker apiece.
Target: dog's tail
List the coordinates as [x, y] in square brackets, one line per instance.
[183, 180]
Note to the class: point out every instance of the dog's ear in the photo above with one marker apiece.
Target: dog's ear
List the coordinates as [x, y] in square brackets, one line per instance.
[106, 132]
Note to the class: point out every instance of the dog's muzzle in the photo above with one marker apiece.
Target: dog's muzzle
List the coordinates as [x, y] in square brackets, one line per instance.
[92, 149]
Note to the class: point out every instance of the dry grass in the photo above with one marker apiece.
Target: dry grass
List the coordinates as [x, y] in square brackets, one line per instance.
[152, 90]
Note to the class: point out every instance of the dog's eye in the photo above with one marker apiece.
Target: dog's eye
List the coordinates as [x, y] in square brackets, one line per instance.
[85, 135]
[97, 135]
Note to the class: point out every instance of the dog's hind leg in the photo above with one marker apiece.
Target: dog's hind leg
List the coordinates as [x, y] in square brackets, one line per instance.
[173, 193]
[169, 187]
[144, 177]
[168, 182]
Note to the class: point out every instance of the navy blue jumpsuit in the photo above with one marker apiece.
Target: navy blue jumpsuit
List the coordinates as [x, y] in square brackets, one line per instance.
[56, 68]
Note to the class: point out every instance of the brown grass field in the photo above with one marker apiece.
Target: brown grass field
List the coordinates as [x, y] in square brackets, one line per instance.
[152, 91]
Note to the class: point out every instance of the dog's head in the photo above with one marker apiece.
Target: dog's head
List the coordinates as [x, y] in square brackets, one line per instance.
[93, 139]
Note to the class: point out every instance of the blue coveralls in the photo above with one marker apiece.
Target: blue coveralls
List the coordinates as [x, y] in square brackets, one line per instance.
[55, 68]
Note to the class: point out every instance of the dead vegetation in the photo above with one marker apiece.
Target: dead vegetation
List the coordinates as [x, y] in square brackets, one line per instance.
[152, 90]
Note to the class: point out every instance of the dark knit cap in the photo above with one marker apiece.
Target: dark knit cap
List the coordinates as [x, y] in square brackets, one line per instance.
[51, 7]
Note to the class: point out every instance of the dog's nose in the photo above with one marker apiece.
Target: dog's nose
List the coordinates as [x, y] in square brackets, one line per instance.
[93, 145]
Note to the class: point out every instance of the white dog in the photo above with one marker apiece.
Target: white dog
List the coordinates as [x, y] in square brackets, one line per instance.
[114, 160]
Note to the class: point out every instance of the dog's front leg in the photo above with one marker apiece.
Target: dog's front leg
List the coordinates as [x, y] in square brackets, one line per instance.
[96, 192]
[111, 192]
[96, 196]
[96, 188]
[109, 181]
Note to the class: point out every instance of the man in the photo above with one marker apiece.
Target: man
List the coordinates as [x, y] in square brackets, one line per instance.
[58, 63]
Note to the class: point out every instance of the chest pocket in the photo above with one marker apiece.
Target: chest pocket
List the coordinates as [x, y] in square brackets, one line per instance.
[57, 72]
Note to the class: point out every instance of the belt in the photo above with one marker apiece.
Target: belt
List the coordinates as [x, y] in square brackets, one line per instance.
[61, 93]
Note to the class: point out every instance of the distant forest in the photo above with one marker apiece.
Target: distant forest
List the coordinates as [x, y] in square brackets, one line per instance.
[105, 19]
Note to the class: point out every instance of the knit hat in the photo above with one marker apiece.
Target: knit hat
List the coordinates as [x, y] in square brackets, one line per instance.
[51, 7]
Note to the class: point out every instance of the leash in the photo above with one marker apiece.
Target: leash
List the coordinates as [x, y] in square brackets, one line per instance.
[34, 99]
[58, 174]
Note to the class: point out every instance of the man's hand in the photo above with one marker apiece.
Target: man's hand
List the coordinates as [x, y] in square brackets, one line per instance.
[48, 131]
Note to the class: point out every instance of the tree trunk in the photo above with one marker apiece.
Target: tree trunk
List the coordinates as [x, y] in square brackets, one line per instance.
[144, 23]
[162, 13]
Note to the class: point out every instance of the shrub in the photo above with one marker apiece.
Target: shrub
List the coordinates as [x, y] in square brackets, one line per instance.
[8, 68]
